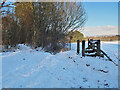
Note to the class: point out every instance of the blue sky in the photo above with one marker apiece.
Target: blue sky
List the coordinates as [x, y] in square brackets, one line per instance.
[101, 13]
[102, 18]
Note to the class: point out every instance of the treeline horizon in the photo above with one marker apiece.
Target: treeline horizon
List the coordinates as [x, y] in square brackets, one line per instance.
[41, 24]
[104, 38]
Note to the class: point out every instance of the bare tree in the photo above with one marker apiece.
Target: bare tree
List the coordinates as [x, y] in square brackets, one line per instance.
[5, 6]
[46, 24]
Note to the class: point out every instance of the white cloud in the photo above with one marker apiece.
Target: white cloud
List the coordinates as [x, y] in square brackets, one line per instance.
[100, 30]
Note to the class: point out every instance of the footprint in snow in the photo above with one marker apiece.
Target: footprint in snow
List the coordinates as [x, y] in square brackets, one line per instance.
[20, 85]
[85, 80]
[93, 68]
[87, 65]
[106, 84]
[73, 60]
[64, 68]
[80, 87]
[59, 79]
[106, 67]
[70, 57]
[73, 78]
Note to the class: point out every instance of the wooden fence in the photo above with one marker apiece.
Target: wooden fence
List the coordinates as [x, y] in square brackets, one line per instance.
[93, 49]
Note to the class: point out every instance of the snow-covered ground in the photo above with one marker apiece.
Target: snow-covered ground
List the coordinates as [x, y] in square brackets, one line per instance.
[28, 68]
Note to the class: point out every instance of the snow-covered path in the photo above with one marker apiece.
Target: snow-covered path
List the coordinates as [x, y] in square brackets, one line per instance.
[29, 68]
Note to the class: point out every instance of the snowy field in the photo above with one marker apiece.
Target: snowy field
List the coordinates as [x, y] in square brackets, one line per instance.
[27, 68]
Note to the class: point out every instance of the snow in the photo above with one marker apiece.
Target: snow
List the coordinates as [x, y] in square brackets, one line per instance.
[0, 72]
[112, 42]
[34, 68]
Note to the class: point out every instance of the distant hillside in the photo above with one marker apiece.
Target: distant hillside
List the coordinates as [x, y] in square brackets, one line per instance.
[105, 38]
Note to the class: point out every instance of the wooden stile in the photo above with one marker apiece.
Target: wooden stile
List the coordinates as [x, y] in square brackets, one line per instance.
[98, 47]
[83, 47]
[78, 46]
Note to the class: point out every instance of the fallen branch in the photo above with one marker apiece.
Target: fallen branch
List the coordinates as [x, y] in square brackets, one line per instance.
[108, 57]
[103, 71]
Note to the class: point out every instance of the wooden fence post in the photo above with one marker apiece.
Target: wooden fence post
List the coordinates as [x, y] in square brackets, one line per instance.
[78, 46]
[70, 44]
[88, 43]
[70, 41]
[98, 47]
[83, 47]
